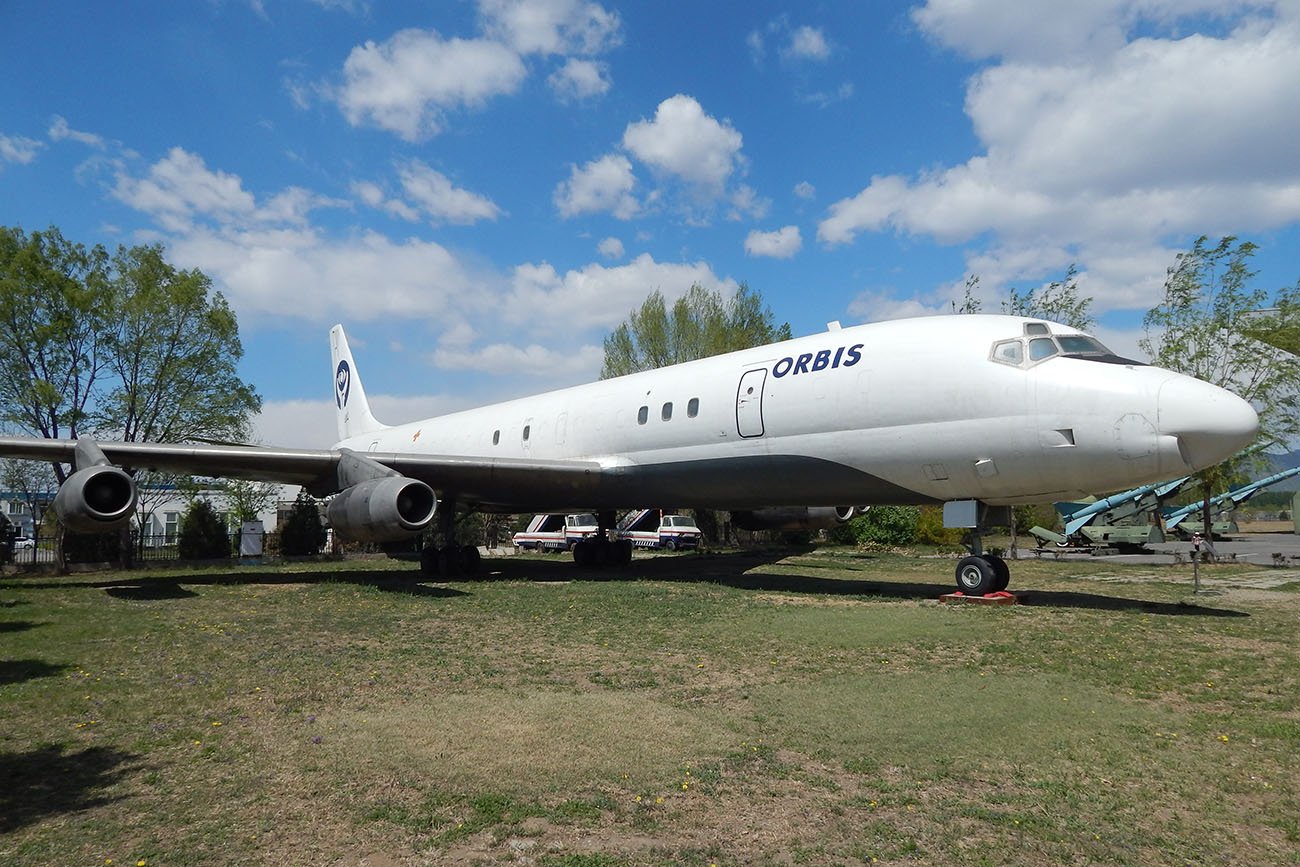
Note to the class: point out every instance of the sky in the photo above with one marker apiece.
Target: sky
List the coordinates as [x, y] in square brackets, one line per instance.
[481, 190]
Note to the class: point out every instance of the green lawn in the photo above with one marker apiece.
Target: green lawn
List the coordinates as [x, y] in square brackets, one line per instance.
[814, 708]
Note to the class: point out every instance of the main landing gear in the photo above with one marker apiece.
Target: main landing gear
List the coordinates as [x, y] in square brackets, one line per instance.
[601, 550]
[450, 560]
[978, 574]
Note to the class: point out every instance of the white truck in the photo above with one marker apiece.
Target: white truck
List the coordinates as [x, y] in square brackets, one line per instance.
[651, 528]
[556, 532]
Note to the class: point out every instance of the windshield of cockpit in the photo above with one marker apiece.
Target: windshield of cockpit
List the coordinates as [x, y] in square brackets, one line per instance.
[1038, 344]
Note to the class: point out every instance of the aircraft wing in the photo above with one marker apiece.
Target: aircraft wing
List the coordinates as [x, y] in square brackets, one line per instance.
[490, 481]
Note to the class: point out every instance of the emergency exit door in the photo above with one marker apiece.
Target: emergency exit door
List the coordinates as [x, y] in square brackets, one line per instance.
[749, 403]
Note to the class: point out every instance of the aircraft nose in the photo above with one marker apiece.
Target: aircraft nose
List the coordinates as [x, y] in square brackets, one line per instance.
[1211, 423]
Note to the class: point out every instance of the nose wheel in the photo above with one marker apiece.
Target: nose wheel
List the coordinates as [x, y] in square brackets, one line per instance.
[981, 574]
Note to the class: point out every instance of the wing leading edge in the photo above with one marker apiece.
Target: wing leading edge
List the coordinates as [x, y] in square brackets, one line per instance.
[498, 482]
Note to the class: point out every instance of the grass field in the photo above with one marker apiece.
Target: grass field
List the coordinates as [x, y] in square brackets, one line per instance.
[787, 708]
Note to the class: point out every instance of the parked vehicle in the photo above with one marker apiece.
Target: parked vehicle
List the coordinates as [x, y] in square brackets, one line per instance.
[651, 528]
[556, 532]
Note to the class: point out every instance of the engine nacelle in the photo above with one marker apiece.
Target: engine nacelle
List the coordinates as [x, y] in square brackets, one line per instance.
[795, 517]
[95, 500]
[383, 510]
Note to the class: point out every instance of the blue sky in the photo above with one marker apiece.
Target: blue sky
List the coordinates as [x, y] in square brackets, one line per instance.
[481, 190]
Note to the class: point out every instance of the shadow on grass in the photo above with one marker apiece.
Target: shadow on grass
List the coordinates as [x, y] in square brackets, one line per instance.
[743, 570]
[16, 625]
[176, 586]
[21, 670]
[748, 570]
[47, 781]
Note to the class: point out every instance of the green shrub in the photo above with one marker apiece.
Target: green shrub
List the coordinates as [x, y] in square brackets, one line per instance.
[303, 533]
[203, 535]
[881, 525]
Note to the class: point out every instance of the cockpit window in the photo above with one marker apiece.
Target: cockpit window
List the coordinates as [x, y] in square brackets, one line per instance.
[1008, 352]
[1041, 347]
[1079, 344]
[1015, 352]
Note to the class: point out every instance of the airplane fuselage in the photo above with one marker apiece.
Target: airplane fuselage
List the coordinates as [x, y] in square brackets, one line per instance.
[910, 411]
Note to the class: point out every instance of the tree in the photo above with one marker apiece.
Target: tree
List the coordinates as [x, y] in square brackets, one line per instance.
[303, 533]
[124, 347]
[1058, 301]
[173, 354]
[55, 312]
[1205, 327]
[203, 535]
[701, 323]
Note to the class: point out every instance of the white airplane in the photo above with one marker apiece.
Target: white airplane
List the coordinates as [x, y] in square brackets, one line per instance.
[969, 411]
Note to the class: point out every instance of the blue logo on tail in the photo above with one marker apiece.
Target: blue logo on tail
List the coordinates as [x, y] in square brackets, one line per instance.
[342, 383]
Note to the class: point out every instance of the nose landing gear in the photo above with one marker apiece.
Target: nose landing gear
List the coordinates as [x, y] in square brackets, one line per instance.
[979, 574]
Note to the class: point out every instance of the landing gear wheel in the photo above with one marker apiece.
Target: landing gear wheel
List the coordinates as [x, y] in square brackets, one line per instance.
[975, 576]
[449, 562]
[623, 549]
[1001, 572]
[582, 554]
[469, 559]
[429, 563]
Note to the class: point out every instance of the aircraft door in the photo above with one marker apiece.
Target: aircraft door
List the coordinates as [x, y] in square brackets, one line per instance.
[749, 403]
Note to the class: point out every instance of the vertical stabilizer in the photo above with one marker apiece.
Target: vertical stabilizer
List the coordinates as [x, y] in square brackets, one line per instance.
[353, 410]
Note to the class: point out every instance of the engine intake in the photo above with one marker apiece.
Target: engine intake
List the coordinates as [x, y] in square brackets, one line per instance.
[795, 517]
[383, 510]
[95, 500]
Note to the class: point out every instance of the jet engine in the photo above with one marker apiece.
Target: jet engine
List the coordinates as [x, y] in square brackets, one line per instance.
[386, 509]
[795, 517]
[95, 499]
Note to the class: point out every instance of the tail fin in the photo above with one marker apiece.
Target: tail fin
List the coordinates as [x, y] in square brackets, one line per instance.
[353, 414]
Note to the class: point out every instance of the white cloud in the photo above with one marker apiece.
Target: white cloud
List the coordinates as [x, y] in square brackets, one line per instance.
[597, 296]
[59, 131]
[685, 142]
[781, 244]
[180, 187]
[373, 195]
[551, 26]
[611, 248]
[579, 79]
[435, 195]
[807, 43]
[17, 149]
[805, 191]
[407, 83]
[602, 185]
[747, 204]
[531, 360]
[1113, 147]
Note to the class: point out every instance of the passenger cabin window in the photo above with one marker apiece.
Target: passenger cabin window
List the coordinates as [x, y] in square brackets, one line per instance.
[496, 437]
[667, 413]
[527, 429]
[1041, 347]
[642, 415]
[693, 407]
[1008, 352]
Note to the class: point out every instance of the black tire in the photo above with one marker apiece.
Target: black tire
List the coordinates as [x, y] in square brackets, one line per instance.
[1001, 572]
[624, 549]
[449, 563]
[469, 559]
[429, 563]
[975, 576]
[582, 554]
[670, 544]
